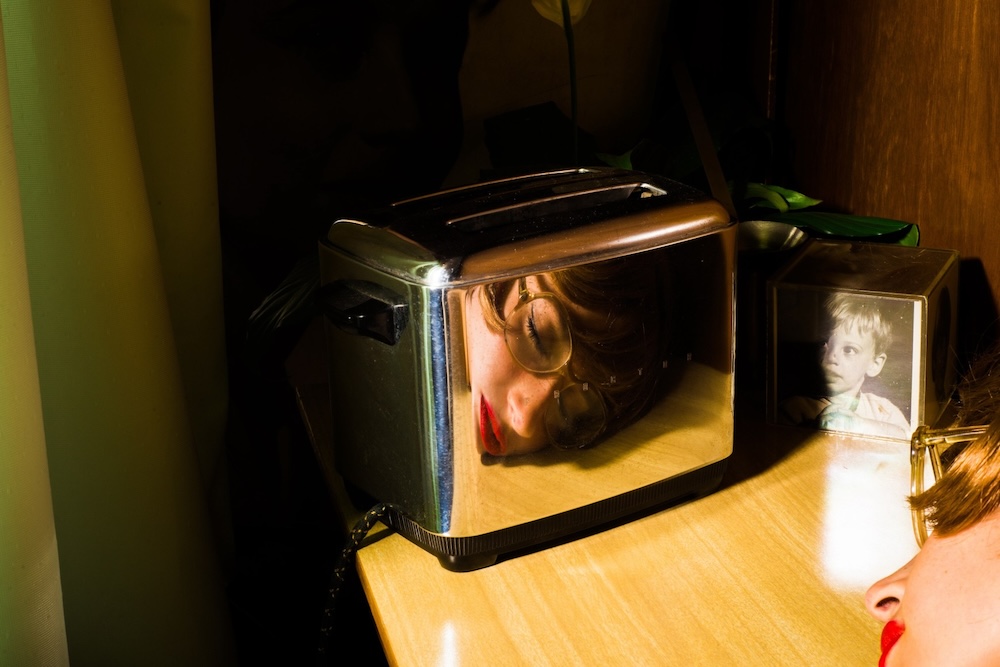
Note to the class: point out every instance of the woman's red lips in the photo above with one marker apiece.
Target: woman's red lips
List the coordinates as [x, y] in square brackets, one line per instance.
[489, 430]
[891, 633]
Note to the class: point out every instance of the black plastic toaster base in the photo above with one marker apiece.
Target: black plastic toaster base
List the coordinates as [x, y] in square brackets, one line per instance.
[464, 554]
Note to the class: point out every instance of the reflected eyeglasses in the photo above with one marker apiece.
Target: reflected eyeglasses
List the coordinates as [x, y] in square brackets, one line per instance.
[539, 337]
[939, 447]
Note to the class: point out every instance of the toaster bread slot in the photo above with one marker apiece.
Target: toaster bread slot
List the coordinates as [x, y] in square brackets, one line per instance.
[562, 201]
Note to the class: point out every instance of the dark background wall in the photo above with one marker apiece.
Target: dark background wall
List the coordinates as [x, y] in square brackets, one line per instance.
[892, 111]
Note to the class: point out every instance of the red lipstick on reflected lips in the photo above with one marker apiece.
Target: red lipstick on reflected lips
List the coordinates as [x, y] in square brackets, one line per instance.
[489, 430]
[891, 633]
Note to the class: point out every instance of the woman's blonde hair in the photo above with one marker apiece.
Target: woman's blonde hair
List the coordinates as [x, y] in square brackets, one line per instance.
[970, 490]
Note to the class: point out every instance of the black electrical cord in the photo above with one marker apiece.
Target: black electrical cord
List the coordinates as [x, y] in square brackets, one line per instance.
[343, 566]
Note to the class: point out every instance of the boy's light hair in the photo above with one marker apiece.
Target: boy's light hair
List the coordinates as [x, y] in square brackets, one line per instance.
[862, 313]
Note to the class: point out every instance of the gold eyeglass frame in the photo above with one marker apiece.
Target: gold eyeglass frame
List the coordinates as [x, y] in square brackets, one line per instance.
[933, 441]
[524, 297]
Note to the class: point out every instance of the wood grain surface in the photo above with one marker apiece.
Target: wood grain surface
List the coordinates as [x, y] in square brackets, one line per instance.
[769, 570]
[892, 111]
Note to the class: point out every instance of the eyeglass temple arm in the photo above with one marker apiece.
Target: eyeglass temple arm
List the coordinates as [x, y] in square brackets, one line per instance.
[925, 436]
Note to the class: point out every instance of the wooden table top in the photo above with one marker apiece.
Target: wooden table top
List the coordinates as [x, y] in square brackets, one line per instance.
[770, 569]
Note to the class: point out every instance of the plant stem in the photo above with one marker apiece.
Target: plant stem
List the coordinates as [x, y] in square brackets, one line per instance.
[568, 30]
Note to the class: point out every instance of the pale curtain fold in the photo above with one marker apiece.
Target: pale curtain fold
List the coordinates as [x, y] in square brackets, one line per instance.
[109, 223]
[31, 616]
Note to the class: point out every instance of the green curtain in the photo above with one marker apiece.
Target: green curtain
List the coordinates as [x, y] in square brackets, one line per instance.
[31, 615]
[112, 365]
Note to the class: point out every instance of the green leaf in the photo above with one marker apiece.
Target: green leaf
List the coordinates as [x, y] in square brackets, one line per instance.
[623, 161]
[772, 198]
[553, 9]
[845, 225]
[779, 198]
[912, 237]
[796, 200]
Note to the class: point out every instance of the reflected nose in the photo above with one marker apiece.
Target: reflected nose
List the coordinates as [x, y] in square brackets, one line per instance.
[527, 401]
[884, 597]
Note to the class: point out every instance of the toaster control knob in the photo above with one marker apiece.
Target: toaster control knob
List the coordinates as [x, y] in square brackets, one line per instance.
[365, 308]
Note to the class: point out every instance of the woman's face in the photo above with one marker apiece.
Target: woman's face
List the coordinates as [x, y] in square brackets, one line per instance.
[943, 607]
[509, 401]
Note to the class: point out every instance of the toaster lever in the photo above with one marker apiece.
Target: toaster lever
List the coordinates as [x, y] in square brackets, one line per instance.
[365, 308]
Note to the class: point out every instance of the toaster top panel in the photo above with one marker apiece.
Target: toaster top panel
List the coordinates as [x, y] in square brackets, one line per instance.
[526, 224]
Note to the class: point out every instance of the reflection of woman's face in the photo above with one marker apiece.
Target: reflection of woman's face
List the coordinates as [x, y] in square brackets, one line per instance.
[945, 602]
[509, 401]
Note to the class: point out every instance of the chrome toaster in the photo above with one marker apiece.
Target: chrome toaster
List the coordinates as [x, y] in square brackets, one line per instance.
[520, 360]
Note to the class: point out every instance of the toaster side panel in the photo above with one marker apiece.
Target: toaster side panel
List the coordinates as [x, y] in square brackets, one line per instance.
[389, 429]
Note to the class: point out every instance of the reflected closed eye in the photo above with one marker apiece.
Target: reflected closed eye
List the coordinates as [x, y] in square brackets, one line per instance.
[533, 334]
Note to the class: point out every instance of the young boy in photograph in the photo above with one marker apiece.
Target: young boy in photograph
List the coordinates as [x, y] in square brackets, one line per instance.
[854, 351]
